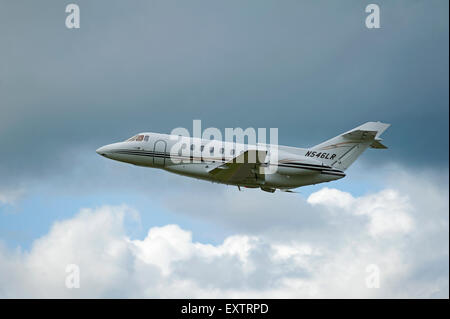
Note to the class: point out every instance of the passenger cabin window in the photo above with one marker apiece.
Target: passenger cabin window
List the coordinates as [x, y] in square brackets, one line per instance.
[211, 150]
[232, 152]
[192, 147]
[202, 148]
[222, 150]
[146, 138]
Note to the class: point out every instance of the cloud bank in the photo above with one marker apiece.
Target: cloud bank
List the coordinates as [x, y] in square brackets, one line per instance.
[405, 236]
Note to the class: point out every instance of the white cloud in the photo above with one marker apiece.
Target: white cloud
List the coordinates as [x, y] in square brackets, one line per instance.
[331, 197]
[387, 210]
[405, 235]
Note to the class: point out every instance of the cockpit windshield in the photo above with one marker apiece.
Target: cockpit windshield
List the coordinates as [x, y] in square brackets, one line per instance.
[138, 138]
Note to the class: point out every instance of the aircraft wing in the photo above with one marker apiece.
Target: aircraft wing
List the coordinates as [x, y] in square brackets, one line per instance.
[240, 169]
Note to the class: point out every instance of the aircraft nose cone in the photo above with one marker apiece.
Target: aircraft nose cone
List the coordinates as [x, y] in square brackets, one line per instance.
[101, 151]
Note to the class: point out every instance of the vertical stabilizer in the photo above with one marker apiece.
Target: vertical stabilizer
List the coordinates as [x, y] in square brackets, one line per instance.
[341, 151]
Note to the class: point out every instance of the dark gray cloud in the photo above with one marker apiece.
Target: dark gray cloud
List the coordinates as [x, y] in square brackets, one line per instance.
[311, 69]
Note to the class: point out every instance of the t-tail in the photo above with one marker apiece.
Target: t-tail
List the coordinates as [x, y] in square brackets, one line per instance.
[341, 151]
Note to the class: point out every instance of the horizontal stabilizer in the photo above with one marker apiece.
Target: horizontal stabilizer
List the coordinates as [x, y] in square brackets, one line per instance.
[377, 127]
[360, 135]
[377, 144]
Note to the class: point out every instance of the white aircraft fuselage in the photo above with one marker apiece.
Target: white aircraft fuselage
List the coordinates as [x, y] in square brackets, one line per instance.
[232, 163]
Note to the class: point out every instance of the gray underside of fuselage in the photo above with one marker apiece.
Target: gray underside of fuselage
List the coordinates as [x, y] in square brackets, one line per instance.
[274, 180]
[282, 177]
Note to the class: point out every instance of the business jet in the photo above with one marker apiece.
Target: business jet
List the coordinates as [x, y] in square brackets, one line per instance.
[265, 166]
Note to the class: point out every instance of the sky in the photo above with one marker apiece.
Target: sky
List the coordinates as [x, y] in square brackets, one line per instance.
[309, 68]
